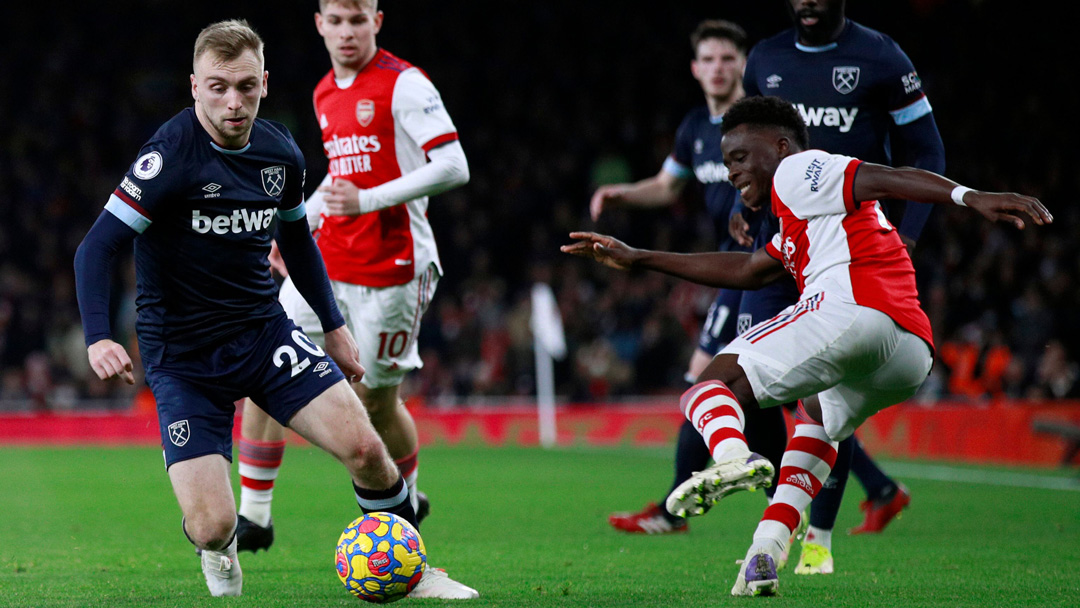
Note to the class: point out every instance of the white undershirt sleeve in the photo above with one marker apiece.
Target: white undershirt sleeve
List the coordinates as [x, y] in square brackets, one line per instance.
[448, 169]
[419, 111]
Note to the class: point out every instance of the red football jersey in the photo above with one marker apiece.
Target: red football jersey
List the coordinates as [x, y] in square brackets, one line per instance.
[832, 243]
[376, 129]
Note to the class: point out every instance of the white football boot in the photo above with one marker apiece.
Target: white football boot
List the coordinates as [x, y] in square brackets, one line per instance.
[705, 488]
[222, 571]
[436, 584]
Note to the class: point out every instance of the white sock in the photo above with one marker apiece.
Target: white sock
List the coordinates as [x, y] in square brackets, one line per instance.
[819, 536]
[770, 536]
[410, 481]
[255, 505]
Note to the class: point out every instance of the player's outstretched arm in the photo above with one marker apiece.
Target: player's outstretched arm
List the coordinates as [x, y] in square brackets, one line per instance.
[734, 270]
[93, 267]
[873, 182]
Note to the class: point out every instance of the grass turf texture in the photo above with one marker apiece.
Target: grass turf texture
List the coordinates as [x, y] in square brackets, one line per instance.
[100, 527]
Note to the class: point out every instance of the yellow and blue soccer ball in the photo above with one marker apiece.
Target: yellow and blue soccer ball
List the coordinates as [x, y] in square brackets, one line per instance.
[380, 557]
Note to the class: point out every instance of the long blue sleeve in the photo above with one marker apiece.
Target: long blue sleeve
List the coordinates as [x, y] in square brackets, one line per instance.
[918, 144]
[307, 270]
[93, 270]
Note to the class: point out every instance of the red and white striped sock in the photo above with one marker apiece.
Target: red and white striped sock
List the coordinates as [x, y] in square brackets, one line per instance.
[410, 467]
[806, 465]
[260, 462]
[715, 412]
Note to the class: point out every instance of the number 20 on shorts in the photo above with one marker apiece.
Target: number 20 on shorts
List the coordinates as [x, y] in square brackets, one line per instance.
[296, 364]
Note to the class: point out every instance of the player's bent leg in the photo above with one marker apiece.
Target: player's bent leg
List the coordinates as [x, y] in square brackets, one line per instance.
[261, 448]
[205, 496]
[716, 408]
[337, 422]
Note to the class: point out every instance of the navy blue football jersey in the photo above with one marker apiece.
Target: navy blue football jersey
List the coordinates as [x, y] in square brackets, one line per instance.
[849, 92]
[203, 214]
[697, 155]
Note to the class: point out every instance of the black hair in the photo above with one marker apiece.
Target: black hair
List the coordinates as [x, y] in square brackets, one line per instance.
[767, 112]
[724, 30]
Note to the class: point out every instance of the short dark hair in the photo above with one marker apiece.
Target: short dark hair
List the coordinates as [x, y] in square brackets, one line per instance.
[724, 30]
[767, 112]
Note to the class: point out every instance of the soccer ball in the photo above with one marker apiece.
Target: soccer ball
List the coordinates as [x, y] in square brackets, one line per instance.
[380, 557]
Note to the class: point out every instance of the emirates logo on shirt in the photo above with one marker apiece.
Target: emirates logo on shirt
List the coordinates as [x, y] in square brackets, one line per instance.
[365, 112]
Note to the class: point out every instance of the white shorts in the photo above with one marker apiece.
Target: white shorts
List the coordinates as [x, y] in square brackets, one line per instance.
[384, 321]
[856, 359]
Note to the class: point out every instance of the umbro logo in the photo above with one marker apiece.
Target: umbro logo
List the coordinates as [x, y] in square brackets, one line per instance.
[773, 82]
[211, 190]
[322, 368]
[802, 480]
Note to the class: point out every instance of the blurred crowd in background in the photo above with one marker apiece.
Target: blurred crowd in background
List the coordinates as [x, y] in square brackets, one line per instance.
[551, 100]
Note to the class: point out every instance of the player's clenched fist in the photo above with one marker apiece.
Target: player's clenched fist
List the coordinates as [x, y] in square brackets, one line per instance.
[607, 250]
[108, 359]
[342, 348]
[342, 198]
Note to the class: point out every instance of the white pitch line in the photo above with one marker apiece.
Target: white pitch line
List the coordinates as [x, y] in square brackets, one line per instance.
[981, 476]
[933, 472]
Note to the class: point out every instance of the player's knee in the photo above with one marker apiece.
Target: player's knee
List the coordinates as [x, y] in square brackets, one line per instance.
[726, 369]
[367, 454]
[210, 531]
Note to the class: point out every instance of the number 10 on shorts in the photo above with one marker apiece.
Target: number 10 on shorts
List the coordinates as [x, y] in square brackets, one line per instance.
[392, 345]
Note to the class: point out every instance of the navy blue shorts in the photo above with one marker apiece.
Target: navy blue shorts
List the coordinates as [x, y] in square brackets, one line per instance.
[719, 328]
[765, 303]
[275, 364]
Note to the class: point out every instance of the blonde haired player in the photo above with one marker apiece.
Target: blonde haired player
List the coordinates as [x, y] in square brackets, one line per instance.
[209, 325]
[390, 144]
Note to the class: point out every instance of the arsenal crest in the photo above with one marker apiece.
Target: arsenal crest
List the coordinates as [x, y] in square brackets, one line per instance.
[273, 180]
[845, 79]
[179, 433]
[365, 112]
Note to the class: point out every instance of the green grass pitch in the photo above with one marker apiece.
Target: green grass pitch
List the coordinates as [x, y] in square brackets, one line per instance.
[527, 527]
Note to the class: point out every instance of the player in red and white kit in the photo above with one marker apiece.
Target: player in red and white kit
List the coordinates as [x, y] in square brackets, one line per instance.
[390, 144]
[855, 343]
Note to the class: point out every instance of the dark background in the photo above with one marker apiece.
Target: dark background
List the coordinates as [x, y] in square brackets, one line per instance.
[550, 99]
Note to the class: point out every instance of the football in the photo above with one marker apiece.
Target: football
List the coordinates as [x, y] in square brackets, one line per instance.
[380, 557]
